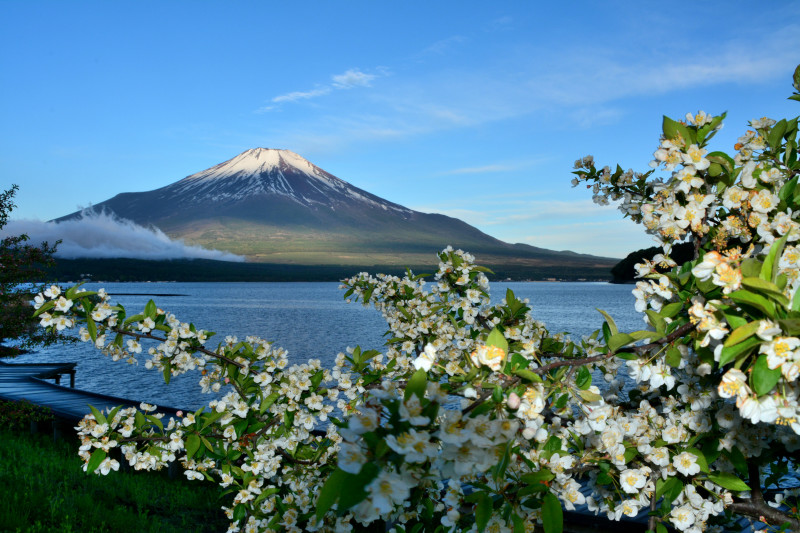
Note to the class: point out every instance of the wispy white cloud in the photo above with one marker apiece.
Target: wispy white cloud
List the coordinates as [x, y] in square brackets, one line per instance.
[505, 166]
[613, 238]
[500, 23]
[444, 46]
[347, 80]
[479, 170]
[301, 95]
[352, 78]
[498, 211]
[103, 236]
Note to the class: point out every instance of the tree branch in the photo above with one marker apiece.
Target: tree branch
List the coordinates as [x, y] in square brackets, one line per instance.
[756, 507]
[200, 349]
[680, 332]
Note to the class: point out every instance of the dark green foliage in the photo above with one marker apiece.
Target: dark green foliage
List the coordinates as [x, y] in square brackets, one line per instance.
[19, 415]
[19, 263]
[45, 490]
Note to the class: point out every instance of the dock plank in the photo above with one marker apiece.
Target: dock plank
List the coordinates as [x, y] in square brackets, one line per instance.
[27, 382]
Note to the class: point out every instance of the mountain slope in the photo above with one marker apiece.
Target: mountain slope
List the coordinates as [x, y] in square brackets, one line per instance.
[274, 206]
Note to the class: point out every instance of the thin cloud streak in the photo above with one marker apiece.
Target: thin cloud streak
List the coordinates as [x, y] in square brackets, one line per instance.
[352, 78]
[347, 80]
[99, 235]
[479, 170]
[300, 95]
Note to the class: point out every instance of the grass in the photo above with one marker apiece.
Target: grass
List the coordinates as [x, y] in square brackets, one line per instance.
[45, 490]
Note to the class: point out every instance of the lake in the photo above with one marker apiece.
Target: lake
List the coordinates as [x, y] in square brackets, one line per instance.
[310, 320]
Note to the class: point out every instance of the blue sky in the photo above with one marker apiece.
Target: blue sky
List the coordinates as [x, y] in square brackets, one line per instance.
[471, 109]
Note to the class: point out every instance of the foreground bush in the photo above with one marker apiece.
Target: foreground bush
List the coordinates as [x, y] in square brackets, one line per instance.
[475, 417]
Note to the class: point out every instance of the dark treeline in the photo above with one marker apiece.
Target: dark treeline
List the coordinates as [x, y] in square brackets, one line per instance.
[624, 271]
[206, 270]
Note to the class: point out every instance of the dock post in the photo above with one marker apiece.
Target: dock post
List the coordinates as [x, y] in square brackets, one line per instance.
[72, 379]
[58, 432]
[172, 470]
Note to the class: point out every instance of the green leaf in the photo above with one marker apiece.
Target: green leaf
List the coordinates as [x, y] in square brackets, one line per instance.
[497, 394]
[584, 378]
[669, 488]
[45, 306]
[787, 191]
[192, 445]
[763, 377]
[734, 352]
[417, 384]
[656, 320]
[538, 477]
[134, 318]
[530, 375]
[767, 288]
[519, 523]
[553, 444]
[673, 130]
[483, 511]
[612, 326]
[756, 301]
[735, 321]
[330, 492]
[770, 269]
[98, 456]
[589, 396]
[497, 339]
[728, 481]
[91, 327]
[722, 159]
[670, 310]
[518, 361]
[552, 515]
[737, 459]
[776, 134]
[674, 357]
[98, 416]
[796, 78]
[645, 334]
[150, 310]
[790, 325]
[155, 421]
[742, 332]
[751, 268]
[618, 340]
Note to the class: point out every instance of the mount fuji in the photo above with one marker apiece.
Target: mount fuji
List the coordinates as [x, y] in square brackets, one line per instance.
[274, 206]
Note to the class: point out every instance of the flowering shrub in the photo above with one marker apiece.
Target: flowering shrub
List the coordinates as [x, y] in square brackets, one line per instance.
[475, 417]
[16, 415]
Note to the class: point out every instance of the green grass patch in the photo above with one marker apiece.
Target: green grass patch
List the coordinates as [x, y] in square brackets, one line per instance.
[44, 489]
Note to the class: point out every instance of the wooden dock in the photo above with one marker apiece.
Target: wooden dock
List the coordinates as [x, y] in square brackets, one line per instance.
[28, 382]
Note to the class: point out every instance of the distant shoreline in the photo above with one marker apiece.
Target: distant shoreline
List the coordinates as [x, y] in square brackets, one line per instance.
[205, 270]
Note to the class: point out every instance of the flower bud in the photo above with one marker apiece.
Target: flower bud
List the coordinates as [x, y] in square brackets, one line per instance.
[513, 401]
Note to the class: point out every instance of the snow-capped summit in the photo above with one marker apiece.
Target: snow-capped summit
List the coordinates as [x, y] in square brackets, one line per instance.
[271, 172]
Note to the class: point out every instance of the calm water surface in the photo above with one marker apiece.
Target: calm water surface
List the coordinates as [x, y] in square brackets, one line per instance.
[311, 320]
